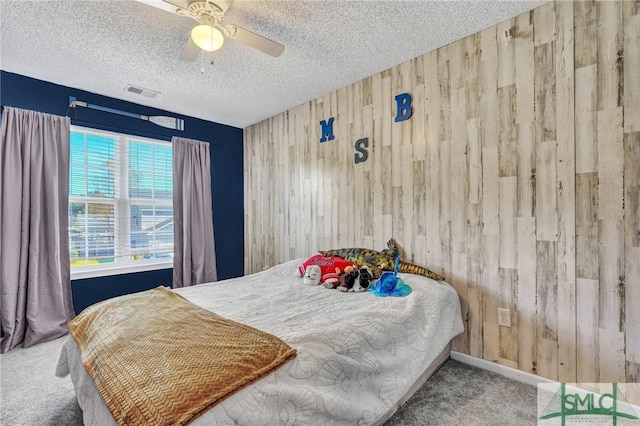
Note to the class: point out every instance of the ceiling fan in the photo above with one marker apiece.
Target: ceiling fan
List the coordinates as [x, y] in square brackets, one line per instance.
[210, 32]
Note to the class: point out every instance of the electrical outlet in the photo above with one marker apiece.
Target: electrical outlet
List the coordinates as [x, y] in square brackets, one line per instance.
[504, 317]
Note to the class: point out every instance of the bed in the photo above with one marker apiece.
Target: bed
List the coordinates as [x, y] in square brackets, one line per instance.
[359, 357]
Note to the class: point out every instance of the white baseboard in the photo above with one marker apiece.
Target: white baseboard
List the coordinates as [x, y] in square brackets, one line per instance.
[503, 370]
[521, 376]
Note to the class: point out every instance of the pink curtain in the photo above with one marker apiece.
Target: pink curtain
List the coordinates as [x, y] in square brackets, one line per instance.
[34, 245]
[194, 257]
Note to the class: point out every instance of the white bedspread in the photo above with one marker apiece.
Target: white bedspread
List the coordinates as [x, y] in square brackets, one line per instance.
[357, 354]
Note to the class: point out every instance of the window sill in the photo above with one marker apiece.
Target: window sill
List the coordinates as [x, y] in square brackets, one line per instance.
[93, 272]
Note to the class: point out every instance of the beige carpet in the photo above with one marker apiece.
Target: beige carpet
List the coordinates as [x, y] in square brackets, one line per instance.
[31, 394]
[459, 394]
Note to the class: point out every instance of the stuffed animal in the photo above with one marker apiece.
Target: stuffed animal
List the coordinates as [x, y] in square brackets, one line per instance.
[364, 280]
[331, 284]
[335, 282]
[312, 275]
[390, 284]
[380, 261]
[331, 267]
[357, 280]
[348, 279]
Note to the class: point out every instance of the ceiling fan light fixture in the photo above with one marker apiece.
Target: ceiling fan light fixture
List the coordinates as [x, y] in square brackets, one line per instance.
[207, 37]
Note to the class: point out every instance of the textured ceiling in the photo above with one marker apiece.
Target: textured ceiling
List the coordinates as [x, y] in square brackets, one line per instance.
[101, 46]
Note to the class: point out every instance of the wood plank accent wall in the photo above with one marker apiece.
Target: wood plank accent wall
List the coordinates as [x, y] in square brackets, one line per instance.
[517, 178]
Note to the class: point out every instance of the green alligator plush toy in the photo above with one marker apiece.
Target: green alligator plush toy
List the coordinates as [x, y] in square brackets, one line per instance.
[380, 261]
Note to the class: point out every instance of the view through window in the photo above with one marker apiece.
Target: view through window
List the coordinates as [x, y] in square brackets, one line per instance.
[120, 202]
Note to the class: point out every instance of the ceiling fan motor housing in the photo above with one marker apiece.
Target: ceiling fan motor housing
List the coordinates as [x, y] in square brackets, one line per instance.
[205, 12]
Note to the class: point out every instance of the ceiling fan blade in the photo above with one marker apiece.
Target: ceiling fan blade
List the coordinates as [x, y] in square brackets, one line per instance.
[168, 5]
[224, 5]
[256, 41]
[190, 51]
[183, 4]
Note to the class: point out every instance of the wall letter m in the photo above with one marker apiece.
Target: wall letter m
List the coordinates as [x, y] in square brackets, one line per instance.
[327, 130]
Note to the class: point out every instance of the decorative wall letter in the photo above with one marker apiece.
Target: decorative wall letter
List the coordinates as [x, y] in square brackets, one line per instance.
[404, 109]
[327, 130]
[360, 146]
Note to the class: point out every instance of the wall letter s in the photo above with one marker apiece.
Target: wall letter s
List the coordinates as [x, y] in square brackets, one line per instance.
[360, 146]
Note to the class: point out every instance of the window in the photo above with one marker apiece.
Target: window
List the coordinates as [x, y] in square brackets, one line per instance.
[120, 203]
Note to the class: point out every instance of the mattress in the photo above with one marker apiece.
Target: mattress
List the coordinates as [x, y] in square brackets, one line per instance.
[358, 355]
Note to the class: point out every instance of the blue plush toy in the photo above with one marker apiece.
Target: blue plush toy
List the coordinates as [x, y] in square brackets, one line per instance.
[389, 284]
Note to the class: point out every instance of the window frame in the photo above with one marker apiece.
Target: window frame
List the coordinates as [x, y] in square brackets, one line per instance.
[122, 207]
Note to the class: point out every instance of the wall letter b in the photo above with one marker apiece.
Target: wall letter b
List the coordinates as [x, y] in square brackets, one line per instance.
[404, 110]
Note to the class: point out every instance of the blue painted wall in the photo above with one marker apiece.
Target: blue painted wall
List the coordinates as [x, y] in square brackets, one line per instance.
[226, 174]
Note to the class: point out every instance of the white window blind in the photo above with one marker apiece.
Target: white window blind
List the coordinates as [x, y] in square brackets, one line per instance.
[120, 203]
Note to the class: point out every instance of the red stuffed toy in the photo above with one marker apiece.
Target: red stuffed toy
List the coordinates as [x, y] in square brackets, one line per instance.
[331, 267]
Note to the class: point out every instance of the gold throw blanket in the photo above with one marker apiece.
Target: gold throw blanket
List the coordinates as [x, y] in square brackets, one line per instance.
[158, 359]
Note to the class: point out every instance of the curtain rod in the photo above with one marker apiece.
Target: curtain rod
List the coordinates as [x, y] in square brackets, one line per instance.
[160, 120]
[76, 122]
